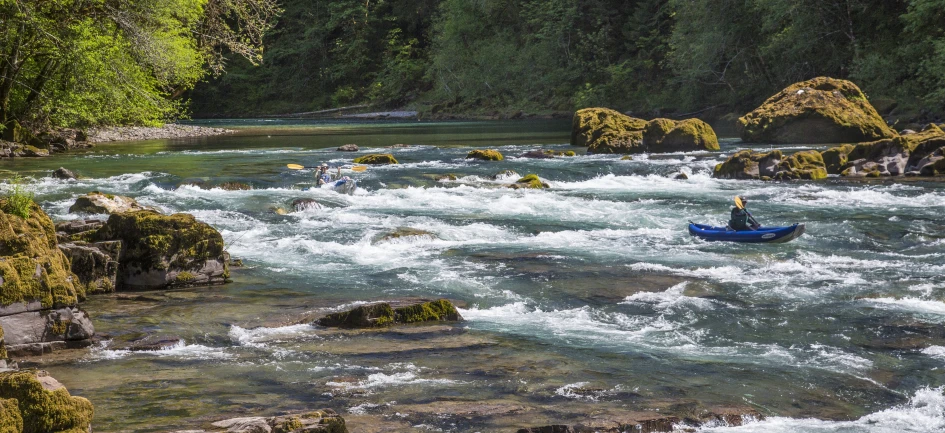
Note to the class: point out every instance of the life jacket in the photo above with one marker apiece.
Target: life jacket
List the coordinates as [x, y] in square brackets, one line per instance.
[739, 219]
[325, 178]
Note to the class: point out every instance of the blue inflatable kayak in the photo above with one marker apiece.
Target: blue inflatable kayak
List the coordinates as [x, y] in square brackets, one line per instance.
[762, 235]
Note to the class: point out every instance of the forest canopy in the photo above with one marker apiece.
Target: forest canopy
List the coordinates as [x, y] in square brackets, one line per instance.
[645, 56]
[98, 62]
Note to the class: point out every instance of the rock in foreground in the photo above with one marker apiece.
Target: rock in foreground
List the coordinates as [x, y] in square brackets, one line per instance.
[384, 314]
[42, 404]
[821, 110]
[918, 154]
[160, 251]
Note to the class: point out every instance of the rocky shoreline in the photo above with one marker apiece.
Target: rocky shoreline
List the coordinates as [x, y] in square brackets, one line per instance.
[169, 131]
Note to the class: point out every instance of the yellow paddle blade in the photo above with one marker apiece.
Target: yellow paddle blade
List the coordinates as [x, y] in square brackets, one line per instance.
[359, 168]
[295, 166]
[738, 202]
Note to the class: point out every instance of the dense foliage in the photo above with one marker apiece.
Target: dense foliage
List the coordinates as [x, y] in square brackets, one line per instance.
[646, 56]
[91, 62]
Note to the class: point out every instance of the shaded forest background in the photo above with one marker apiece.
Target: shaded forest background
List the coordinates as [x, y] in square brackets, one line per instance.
[649, 57]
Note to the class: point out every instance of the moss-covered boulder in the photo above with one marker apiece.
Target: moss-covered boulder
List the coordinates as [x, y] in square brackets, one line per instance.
[656, 130]
[485, 155]
[376, 159]
[32, 268]
[604, 130]
[807, 165]
[160, 251]
[688, 135]
[10, 419]
[888, 157]
[748, 164]
[44, 404]
[530, 181]
[820, 110]
[99, 203]
[384, 314]
[319, 421]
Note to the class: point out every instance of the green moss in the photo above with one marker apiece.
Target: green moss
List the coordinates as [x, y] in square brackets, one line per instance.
[31, 264]
[820, 110]
[10, 419]
[334, 425]
[807, 164]
[589, 124]
[656, 130]
[690, 134]
[531, 181]
[59, 327]
[836, 158]
[747, 164]
[290, 424]
[609, 142]
[428, 311]
[3, 346]
[627, 158]
[376, 159]
[485, 155]
[43, 410]
[185, 277]
[570, 153]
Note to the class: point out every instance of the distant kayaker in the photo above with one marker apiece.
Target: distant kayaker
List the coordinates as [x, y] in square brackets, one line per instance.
[322, 175]
[741, 218]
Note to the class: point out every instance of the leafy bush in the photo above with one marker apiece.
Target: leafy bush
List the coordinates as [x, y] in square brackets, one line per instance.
[18, 199]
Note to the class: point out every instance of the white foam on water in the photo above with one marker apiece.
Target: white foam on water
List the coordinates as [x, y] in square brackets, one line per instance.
[402, 375]
[180, 350]
[908, 304]
[670, 298]
[937, 352]
[924, 413]
[578, 391]
[263, 336]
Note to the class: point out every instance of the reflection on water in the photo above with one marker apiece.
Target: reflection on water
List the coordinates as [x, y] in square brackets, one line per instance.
[589, 297]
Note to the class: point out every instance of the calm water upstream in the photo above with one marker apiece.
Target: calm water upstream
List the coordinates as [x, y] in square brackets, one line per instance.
[586, 298]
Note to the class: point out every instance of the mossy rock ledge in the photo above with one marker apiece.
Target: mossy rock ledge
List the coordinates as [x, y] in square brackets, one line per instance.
[34, 402]
[387, 314]
[38, 290]
[376, 159]
[98, 203]
[317, 421]
[665, 419]
[820, 110]
[530, 181]
[485, 155]
[162, 251]
[773, 165]
[917, 154]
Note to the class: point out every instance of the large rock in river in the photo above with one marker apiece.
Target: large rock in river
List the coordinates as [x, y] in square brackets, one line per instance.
[34, 402]
[385, 314]
[38, 290]
[160, 251]
[820, 110]
[917, 154]
[773, 165]
[376, 159]
[604, 130]
[666, 135]
[98, 203]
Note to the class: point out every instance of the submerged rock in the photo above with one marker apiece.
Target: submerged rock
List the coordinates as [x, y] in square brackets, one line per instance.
[384, 314]
[160, 251]
[505, 175]
[234, 186]
[485, 155]
[530, 181]
[536, 154]
[821, 110]
[303, 204]
[64, 174]
[325, 420]
[376, 159]
[405, 232]
[43, 404]
[348, 148]
[667, 419]
[98, 203]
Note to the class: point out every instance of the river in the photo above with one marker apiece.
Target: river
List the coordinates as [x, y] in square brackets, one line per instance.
[587, 299]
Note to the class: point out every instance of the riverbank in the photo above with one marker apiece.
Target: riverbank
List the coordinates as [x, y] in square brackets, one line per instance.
[168, 131]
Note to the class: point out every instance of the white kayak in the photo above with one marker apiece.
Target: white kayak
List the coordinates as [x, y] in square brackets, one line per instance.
[345, 185]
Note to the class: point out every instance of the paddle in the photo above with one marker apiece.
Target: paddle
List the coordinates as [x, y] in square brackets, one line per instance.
[357, 168]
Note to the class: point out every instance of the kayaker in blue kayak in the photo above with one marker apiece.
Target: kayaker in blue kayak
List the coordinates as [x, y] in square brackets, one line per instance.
[741, 218]
[323, 176]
